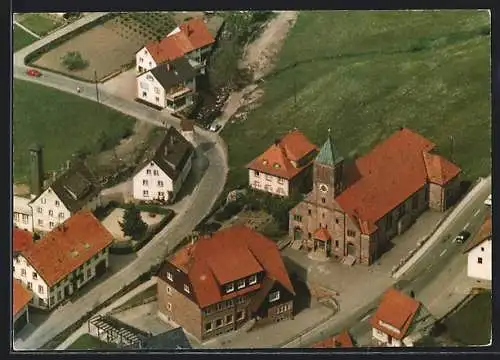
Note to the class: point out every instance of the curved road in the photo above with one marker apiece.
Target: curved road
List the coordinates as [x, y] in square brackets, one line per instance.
[213, 160]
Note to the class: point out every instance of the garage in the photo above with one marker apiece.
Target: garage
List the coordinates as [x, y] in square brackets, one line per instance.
[21, 298]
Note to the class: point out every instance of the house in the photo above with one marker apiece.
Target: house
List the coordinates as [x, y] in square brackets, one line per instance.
[342, 340]
[166, 168]
[191, 39]
[74, 190]
[285, 167]
[63, 260]
[21, 297]
[479, 253]
[399, 320]
[22, 213]
[357, 207]
[218, 283]
[170, 85]
[188, 131]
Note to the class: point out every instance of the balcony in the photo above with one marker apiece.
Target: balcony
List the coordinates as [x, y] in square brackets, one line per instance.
[177, 91]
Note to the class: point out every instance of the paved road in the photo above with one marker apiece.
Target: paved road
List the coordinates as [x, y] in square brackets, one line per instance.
[418, 278]
[199, 203]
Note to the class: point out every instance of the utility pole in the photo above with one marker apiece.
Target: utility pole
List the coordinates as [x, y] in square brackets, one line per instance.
[96, 86]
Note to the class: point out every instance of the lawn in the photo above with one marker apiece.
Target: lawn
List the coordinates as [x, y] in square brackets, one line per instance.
[21, 38]
[40, 24]
[364, 74]
[471, 325]
[89, 342]
[63, 124]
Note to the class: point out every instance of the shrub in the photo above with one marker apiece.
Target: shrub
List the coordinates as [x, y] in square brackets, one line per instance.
[73, 60]
[132, 224]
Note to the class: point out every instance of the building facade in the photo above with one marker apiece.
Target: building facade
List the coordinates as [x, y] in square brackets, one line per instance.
[22, 213]
[21, 297]
[479, 253]
[356, 208]
[220, 282]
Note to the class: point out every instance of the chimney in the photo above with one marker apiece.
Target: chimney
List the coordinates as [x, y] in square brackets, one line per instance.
[277, 142]
[36, 170]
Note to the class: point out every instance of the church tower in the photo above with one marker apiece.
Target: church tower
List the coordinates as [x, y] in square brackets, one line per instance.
[328, 172]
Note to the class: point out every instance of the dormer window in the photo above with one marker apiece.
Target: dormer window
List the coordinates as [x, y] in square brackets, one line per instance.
[264, 162]
[274, 296]
[252, 280]
[229, 288]
[240, 284]
[170, 276]
[186, 288]
[276, 165]
[43, 200]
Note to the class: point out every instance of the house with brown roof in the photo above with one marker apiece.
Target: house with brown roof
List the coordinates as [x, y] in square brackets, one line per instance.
[218, 283]
[21, 297]
[191, 39]
[75, 189]
[166, 168]
[285, 167]
[63, 260]
[479, 252]
[341, 340]
[399, 320]
[355, 208]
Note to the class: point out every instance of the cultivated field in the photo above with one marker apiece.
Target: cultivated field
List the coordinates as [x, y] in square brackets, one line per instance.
[21, 38]
[63, 124]
[40, 23]
[366, 73]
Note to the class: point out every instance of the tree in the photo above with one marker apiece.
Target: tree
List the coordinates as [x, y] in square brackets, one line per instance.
[132, 224]
[73, 60]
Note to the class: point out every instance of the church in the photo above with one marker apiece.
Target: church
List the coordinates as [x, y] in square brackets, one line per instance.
[355, 208]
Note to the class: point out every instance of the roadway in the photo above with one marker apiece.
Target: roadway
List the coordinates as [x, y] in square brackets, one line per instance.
[197, 206]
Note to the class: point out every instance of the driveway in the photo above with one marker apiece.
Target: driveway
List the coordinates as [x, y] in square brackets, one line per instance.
[123, 85]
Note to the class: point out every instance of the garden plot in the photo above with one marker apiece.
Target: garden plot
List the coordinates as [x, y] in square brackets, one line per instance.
[111, 223]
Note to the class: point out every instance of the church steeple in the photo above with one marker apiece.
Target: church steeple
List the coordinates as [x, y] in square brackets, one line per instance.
[328, 170]
[329, 155]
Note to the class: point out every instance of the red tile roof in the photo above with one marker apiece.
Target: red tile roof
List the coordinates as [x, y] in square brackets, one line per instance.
[396, 309]
[21, 296]
[342, 340]
[21, 240]
[277, 159]
[226, 256]
[439, 170]
[68, 246]
[322, 234]
[193, 35]
[483, 234]
[389, 174]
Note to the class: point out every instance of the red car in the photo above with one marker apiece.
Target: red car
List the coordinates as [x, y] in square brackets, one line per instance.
[33, 72]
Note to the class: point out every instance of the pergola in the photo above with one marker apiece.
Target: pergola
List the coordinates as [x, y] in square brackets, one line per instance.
[114, 331]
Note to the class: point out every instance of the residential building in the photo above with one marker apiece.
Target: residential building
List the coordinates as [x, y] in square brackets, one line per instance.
[21, 240]
[170, 85]
[20, 300]
[479, 253]
[356, 208]
[285, 167]
[221, 281]
[167, 166]
[22, 213]
[64, 260]
[342, 340]
[191, 39]
[74, 190]
[399, 320]
[188, 131]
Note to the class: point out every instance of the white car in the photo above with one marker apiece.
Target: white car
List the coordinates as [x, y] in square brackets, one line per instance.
[215, 127]
[487, 202]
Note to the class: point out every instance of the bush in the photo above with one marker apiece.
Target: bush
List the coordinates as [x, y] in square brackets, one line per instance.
[73, 60]
[132, 224]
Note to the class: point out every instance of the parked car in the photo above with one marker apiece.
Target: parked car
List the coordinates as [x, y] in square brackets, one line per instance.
[215, 127]
[33, 72]
[462, 237]
[487, 202]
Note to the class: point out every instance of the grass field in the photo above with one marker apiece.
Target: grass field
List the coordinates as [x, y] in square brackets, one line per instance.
[62, 123]
[89, 342]
[21, 38]
[471, 325]
[40, 24]
[365, 73]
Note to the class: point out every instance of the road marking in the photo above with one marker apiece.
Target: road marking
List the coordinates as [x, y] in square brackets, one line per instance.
[443, 252]
[477, 212]
[466, 226]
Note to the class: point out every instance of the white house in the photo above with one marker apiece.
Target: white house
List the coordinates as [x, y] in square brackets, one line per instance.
[22, 213]
[479, 253]
[284, 166]
[62, 261]
[21, 297]
[191, 39]
[161, 177]
[170, 85]
[74, 190]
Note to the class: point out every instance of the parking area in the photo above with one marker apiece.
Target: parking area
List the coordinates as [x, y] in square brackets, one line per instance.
[144, 318]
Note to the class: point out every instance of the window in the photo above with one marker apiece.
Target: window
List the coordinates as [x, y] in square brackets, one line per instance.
[157, 99]
[148, 172]
[16, 217]
[34, 276]
[240, 284]
[39, 210]
[161, 194]
[17, 260]
[51, 213]
[89, 273]
[40, 289]
[144, 85]
[323, 200]
[141, 60]
[23, 272]
[297, 218]
[13, 269]
[144, 94]
[60, 295]
[281, 181]
[229, 319]
[229, 288]
[169, 290]
[40, 222]
[269, 177]
[51, 224]
[336, 221]
[229, 303]
[336, 243]
[256, 184]
[57, 203]
[351, 233]
[219, 306]
[282, 308]
[218, 323]
[309, 235]
[309, 211]
[169, 306]
[274, 296]
[186, 288]
[43, 200]
[267, 187]
[25, 219]
[150, 64]
[208, 327]
[482, 249]
[479, 260]
[160, 183]
[145, 182]
[157, 90]
[240, 315]
[30, 285]
[155, 172]
[252, 280]
[256, 173]
[145, 193]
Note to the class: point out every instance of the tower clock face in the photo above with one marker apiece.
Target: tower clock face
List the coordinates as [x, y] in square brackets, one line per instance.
[323, 188]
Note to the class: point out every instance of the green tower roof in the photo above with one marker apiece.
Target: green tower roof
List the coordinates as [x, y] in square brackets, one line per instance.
[329, 154]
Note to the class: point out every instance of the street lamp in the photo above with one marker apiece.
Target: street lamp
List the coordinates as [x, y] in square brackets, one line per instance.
[96, 86]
